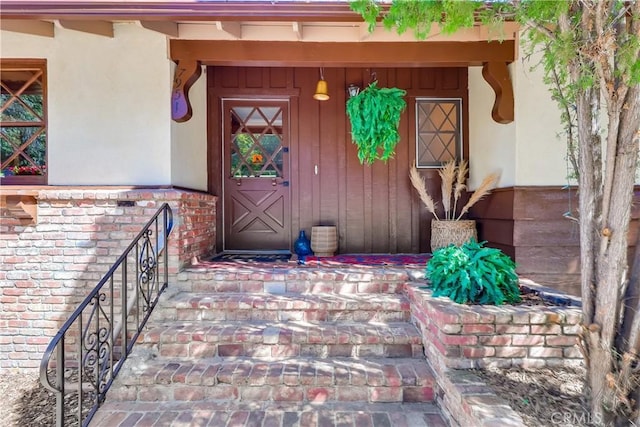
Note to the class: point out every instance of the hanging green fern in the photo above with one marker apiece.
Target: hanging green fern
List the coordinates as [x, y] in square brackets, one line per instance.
[375, 115]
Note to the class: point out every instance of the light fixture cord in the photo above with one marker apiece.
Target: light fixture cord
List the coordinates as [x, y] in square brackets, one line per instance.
[321, 73]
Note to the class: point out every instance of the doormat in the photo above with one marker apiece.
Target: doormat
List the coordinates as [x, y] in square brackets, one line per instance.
[372, 259]
[284, 257]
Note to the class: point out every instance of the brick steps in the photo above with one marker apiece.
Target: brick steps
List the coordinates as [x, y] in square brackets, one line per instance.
[285, 307]
[268, 414]
[291, 380]
[310, 339]
[274, 340]
[301, 280]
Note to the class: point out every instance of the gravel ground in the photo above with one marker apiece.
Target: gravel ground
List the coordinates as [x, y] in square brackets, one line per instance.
[542, 397]
[25, 402]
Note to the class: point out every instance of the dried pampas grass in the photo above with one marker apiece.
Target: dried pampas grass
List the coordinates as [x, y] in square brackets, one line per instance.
[454, 183]
[461, 183]
[485, 188]
[418, 183]
[447, 176]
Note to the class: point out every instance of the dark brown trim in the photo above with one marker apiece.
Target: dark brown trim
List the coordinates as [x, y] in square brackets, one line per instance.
[342, 54]
[180, 11]
[497, 75]
[528, 223]
[186, 74]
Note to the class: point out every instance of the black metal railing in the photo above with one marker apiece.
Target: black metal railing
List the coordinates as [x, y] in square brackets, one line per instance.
[86, 354]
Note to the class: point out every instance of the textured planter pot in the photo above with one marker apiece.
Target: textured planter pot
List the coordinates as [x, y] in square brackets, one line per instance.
[447, 232]
[324, 240]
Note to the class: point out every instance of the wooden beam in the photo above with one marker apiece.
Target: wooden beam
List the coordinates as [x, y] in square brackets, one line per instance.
[345, 54]
[234, 29]
[186, 74]
[363, 29]
[497, 75]
[35, 28]
[297, 29]
[165, 27]
[99, 28]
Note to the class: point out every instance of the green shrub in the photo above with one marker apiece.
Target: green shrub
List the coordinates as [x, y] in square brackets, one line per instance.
[473, 274]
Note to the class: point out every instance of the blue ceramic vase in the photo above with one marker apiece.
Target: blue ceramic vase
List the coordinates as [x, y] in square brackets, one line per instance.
[302, 246]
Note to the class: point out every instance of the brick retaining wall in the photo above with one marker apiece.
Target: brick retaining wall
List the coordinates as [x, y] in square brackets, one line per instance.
[458, 336]
[48, 268]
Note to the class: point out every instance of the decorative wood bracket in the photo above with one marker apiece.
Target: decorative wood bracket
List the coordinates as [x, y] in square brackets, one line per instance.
[497, 75]
[186, 74]
[21, 207]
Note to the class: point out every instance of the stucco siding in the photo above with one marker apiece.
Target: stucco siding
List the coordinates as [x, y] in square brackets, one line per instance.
[189, 141]
[529, 151]
[541, 146]
[492, 146]
[108, 104]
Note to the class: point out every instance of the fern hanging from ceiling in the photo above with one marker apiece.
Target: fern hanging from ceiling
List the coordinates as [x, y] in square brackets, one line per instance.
[375, 115]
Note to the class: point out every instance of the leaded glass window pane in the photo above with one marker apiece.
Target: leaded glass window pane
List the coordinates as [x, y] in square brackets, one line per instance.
[438, 131]
[256, 149]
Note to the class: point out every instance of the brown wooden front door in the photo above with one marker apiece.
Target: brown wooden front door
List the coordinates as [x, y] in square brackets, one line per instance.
[255, 171]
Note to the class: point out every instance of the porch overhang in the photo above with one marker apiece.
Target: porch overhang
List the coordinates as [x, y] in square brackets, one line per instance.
[342, 54]
[275, 33]
[493, 56]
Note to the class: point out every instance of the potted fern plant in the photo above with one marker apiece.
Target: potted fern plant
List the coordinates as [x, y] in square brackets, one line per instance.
[451, 228]
[473, 274]
[374, 115]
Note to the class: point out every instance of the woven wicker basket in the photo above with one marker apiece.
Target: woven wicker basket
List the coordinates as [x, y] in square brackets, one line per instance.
[445, 233]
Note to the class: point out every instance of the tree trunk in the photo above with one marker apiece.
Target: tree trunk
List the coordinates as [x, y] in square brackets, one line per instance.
[604, 255]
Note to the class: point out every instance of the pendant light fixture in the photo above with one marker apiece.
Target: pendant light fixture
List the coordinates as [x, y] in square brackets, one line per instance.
[322, 92]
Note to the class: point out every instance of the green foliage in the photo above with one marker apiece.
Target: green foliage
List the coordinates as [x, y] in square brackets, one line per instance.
[375, 115]
[576, 51]
[28, 109]
[474, 274]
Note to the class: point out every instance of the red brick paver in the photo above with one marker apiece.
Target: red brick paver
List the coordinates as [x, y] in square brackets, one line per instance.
[120, 414]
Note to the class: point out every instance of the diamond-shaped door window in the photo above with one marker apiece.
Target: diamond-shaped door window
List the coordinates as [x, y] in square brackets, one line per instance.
[438, 131]
[256, 149]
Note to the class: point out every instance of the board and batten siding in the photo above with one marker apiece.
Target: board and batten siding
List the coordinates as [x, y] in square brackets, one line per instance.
[375, 207]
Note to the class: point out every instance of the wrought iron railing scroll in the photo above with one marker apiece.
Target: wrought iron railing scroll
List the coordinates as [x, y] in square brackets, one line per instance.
[86, 354]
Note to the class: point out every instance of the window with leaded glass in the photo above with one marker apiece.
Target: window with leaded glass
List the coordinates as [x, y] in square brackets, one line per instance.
[23, 121]
[257, 148]
[438, 131]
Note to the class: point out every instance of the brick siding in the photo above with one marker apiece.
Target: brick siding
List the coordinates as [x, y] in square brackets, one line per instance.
[48, 268]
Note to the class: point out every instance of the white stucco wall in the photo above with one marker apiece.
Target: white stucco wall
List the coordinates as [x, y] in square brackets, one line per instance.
[492, 146]
[528, 151]
[541, 148]
[189, 141]
[109, 119]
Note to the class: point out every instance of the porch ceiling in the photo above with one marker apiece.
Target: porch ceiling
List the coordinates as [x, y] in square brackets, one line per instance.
[307, 33]
[274, 20]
